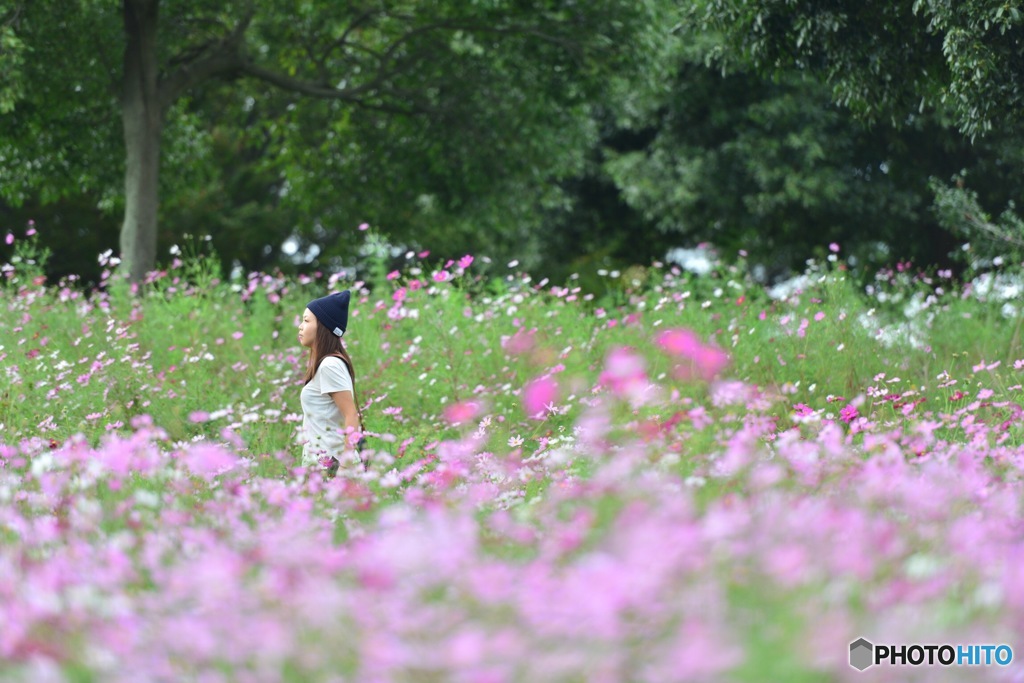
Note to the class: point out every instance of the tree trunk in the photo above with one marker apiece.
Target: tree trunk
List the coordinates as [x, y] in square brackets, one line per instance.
[142, 116]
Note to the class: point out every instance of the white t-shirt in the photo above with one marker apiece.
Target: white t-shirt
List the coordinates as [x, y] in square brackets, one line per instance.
[323, 425]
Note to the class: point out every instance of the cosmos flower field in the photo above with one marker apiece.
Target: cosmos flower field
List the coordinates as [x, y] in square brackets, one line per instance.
[677, 477]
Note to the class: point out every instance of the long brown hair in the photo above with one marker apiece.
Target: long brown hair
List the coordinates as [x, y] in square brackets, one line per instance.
[325, 344]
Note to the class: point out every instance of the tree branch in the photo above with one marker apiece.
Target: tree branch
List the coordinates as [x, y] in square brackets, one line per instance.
[12, 15]
[343, 40]
[391, 109]
[317, 61]
[474, 27]
[361, 96]
[226, 58]
[303, 87]
[214, 59]
[993, 231]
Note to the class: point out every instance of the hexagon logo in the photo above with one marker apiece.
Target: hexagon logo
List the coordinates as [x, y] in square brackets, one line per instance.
[861, 654]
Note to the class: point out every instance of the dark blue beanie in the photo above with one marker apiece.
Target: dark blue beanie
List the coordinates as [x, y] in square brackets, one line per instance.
[331, 311]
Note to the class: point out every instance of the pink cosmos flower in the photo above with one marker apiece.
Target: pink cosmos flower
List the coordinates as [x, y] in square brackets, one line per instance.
[705, 360]
[625, 373]
[466, 261]
[208, 460]
[538, 394]
[520, 342]
[441, 276]
[678, 342]
[9, 239]
[463, 411]
[699, 653]
[394, 275]
[834, 248]
[848, 413]
[363, 227]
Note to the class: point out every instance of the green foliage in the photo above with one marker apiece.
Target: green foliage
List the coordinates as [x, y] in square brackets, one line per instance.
[11, 61]
[572, 139]
[61, 135]
[990, 240]
[888, 60]
[769, 166]
[480, 171]
[28, 261]
[312, 119]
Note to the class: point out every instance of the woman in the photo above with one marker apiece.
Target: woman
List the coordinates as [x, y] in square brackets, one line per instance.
[331, 421]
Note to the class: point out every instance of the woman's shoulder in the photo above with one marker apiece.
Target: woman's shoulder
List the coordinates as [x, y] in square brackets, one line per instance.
[333, 363]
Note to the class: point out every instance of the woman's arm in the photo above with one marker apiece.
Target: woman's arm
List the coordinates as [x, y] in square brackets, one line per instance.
[347, 407]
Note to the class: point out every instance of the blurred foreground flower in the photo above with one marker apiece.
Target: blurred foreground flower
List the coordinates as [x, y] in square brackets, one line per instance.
[464, 411]
[539, 394]
[625, 374]
[207, 461]
[705, 361]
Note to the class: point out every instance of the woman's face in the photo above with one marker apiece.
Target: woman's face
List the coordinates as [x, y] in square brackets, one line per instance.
[307, 328]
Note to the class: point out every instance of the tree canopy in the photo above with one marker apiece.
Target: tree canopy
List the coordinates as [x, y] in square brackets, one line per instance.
[360, 107]
[565, 135]
[888, 58]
